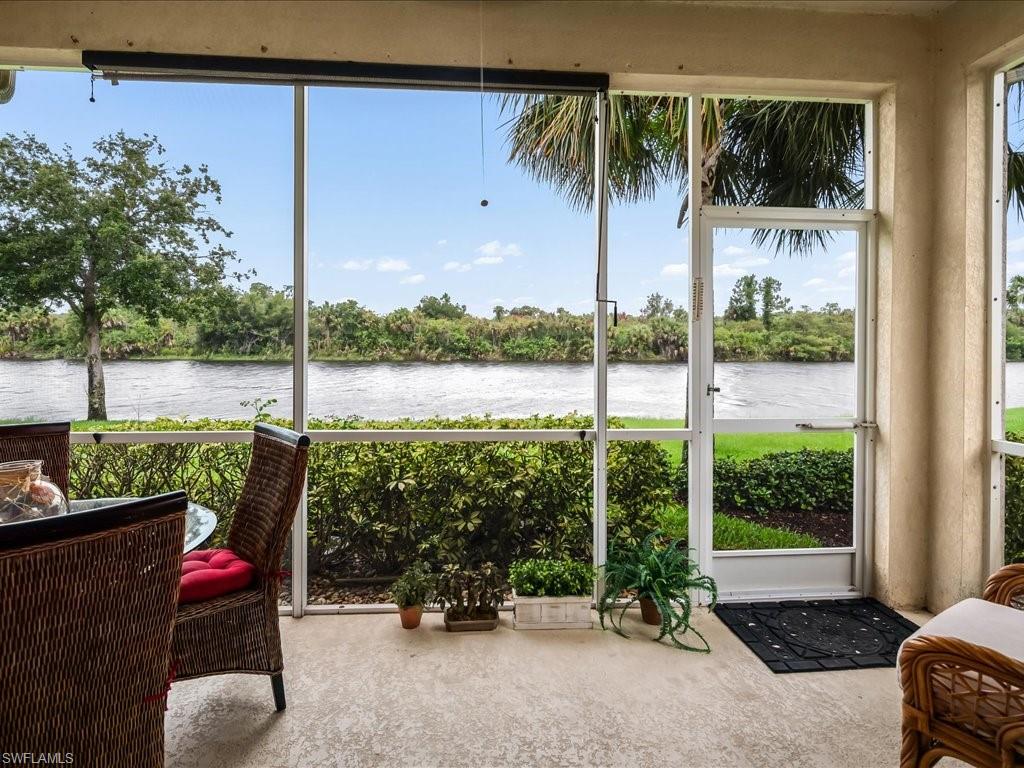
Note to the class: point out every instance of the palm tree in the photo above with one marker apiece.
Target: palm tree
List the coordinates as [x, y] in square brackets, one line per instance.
[756, 153]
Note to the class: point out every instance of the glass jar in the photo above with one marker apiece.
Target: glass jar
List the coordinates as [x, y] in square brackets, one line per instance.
[27, 494]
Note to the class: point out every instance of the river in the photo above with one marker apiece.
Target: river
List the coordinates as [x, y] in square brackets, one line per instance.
[55, 389]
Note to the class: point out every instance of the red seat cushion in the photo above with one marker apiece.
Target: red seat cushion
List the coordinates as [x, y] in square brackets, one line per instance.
[208, 573]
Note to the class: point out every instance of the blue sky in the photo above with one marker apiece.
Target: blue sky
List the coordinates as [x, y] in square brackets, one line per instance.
[395, 189]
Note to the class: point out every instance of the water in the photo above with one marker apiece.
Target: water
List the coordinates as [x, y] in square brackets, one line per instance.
[56, 389]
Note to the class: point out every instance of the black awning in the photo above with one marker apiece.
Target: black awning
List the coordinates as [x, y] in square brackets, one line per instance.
[130, 65]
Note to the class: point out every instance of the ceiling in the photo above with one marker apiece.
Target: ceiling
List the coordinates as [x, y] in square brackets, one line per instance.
[885, 7]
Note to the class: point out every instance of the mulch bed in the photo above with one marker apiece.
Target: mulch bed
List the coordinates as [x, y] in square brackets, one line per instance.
[831, 528]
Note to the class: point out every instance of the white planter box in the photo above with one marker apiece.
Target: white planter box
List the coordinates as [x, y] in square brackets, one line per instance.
[552, 612]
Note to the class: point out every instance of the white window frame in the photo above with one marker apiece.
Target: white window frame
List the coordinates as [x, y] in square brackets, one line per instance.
[1000, 446]
[699, 428]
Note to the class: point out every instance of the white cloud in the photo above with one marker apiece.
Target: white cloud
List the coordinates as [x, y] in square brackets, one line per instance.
[734, 250]
[814, 281]
[847, 271]
[413, 279]
[496, 252]
[847, 258]
[357, 265]
[729, 270]
[456, 266]
[442, 243]
[392, 265]
[751, 261]
[675, 270]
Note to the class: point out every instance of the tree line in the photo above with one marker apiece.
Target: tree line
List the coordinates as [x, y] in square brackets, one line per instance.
[257, 323]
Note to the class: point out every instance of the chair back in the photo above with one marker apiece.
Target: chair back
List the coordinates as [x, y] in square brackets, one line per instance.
[50, 442]
[270, 496]
[86, 615]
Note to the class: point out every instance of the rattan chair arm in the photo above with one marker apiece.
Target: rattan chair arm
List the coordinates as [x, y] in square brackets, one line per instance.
[1011, 740]
[929, 649]
[1005, 585]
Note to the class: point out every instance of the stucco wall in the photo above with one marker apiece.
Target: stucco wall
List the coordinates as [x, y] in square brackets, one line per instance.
[660, 45]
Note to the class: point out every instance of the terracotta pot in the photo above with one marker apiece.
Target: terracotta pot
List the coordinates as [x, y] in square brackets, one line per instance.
[649, 612]
[411, 616]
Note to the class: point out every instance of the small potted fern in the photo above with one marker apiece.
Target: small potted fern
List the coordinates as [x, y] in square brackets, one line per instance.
[663, 574]
[411, 591]
[470, 597]
[551, 594]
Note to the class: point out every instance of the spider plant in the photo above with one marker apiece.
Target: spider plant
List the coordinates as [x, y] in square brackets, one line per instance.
[663, 572]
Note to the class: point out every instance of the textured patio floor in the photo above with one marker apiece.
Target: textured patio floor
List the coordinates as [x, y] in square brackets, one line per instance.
[364, 692]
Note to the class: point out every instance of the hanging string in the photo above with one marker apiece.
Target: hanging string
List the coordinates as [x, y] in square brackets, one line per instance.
[483, 162]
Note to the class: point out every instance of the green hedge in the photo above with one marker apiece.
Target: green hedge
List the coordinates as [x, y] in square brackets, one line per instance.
[783, 481]
[1014, 504]
[376, 507]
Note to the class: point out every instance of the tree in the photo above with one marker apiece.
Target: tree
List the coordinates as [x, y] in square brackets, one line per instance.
[119, 228]
[772, 300]
[1015, 293]
[756, 153]
[743, 301]
[657, 306]
[441, 308]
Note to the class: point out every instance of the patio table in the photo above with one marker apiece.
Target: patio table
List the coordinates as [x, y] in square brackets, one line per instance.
[199, 521]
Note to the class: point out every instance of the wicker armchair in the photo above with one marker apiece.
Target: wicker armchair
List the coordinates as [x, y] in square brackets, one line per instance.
[86, 615]
[239, 632]
[963, 681]
[49, 442]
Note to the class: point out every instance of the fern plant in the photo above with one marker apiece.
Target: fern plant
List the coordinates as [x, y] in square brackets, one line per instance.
[664, 573]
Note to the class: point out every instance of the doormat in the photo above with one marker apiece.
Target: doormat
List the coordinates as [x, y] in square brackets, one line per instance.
[818, 635]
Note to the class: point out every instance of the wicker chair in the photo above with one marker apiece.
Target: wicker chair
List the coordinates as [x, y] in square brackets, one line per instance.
[49, 442]
[239, 632]
[86, 616]
[963, 680]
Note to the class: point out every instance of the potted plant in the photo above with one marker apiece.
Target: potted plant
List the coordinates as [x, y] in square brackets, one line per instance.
[663, 574]
[470, 597]
[411, 591]
[551, 594]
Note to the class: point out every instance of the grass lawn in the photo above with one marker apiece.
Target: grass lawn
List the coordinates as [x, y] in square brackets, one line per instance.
[741, 447]
[731, 533]
[1015, 419]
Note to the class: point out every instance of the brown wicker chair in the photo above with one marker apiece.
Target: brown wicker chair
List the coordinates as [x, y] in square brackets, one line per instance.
[963, 681]
[239, 632]
[86, 616]
[49, 442]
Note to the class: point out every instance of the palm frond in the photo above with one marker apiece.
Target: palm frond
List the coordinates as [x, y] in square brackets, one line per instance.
[756, 153]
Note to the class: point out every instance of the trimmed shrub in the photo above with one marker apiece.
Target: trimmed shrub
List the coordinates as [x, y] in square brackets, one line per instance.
[1014, 505]
[784, 481]
[375, 508]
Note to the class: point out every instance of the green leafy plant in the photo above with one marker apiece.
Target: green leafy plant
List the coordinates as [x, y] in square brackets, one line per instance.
[806, 480]
[1013, 535]
[414, 587]
[465, 594]
[550, 578]
[662, 572]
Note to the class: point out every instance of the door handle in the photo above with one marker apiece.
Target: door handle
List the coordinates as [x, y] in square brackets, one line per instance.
[713, 389]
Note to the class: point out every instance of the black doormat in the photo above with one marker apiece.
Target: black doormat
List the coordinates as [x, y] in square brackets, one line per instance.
[816, 635]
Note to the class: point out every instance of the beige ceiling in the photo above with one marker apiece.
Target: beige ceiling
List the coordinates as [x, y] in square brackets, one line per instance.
[887, 7]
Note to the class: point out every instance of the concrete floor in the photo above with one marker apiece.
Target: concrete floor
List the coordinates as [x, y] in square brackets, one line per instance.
[364, 692]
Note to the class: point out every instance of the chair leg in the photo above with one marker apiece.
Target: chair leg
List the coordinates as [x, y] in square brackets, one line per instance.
[277, 681]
